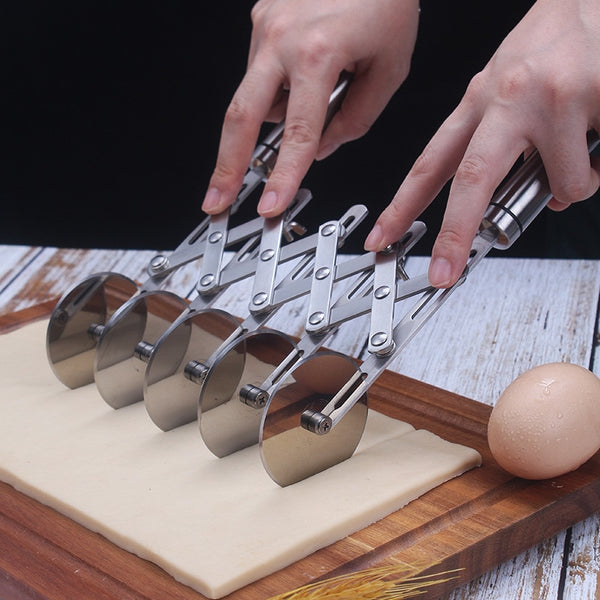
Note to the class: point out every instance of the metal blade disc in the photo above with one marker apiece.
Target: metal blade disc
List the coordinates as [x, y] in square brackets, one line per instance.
[170, 395]
[227, 424]
[291, 453]
[118, 366]
[88, 306]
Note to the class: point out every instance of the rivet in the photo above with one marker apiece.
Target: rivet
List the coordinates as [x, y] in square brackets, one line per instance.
[328, 229]
[159, 263]
[378, 339]
[322, 273]
[259, 298]
[207, 280]
[316, 318]
[382, 292]
[267, 255]
[215, 237]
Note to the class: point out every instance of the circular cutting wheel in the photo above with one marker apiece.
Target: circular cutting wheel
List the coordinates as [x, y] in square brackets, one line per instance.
[227, 423]
[170, 393]
[290, 452]
[127, 342]
[70, 343]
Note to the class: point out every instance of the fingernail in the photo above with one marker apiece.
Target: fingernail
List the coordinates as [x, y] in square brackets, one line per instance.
[211, 200]
[267, 203]
[440, 272]
[374, 239]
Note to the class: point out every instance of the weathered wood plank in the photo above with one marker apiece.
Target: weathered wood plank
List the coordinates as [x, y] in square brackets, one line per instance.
[510, 315]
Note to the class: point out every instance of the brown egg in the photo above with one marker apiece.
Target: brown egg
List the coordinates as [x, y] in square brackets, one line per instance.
[547, 421]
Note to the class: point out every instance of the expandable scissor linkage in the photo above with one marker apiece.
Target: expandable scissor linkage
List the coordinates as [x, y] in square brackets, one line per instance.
[247, 383]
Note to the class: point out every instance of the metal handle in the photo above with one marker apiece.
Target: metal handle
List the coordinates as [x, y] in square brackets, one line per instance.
[265, 154]
[516, 204]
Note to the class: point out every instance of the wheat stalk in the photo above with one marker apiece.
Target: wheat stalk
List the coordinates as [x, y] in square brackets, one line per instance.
[394, 582]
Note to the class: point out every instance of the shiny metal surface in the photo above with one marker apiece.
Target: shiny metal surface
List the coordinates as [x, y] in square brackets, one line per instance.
[288, 450]
[118, 371]
[227, 424]
[265, 155]
[70, 342]
[516, 203]
[170, 396]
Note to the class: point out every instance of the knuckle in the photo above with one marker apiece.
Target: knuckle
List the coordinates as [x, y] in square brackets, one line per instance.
[472, 171]
[237, 114]
[560, 91]
[425, 163]
[449, 239]
[257, 10]
[568, 192]
[477, 88]
[316, 50]
[225, 175]
[273, 27]
[393, 211]
[299, 133]
[515, 83]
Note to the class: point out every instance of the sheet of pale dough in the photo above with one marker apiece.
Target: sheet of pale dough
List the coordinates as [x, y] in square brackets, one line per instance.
[214, 524]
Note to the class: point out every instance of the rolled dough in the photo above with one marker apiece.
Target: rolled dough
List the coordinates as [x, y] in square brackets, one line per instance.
[213, 524]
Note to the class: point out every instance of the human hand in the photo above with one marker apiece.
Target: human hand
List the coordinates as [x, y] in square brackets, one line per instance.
[303, 46]
[541, 89]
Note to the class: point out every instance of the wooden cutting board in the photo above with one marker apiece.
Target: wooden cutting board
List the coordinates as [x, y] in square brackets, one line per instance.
[471, 523]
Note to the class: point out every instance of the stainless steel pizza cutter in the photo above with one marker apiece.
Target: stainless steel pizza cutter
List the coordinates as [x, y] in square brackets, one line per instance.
[314, 418]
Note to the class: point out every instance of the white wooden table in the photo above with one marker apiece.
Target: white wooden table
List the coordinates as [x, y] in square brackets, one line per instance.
[510, 315]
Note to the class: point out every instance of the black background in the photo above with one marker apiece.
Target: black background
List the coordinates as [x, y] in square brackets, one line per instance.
[111, 112]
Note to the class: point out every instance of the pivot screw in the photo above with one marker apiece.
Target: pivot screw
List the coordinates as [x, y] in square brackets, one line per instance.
[259, 298]
[316, 318]
[379, 338]
[159, 264]
[328, 229]
[207, 280]
[382, 292]
[322, 273]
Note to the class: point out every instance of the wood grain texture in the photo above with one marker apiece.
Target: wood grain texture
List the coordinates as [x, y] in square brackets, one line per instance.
[470, 523]
[511, 314]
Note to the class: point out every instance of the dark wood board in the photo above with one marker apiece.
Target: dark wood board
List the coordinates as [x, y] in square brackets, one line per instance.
[471, 523]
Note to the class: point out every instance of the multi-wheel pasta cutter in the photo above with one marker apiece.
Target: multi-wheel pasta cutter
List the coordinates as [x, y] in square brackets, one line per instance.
[245, 383]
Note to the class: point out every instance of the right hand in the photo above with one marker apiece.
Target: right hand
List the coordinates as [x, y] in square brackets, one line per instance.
[297, 52]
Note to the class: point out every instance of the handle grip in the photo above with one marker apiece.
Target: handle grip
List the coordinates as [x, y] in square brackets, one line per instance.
[266, 152]
[516, 204]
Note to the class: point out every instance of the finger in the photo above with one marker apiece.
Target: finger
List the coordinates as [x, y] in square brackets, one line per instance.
[365, 100]
[558, 206]
[243, 119]
[564, 152]
[436, 165]
[306, 110]
[489, 157]
[278, 109]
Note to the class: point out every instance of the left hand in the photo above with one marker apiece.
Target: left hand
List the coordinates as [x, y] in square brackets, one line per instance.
[297, 52]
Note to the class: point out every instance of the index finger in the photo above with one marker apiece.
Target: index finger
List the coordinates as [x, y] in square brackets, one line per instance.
[488, 158]
[306, 112]
[246, 112]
